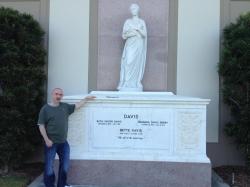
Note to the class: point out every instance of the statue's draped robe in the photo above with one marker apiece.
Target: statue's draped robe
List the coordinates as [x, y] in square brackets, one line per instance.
[133, 57]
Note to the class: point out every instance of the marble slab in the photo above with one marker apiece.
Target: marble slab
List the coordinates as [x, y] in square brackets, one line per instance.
[142, 126]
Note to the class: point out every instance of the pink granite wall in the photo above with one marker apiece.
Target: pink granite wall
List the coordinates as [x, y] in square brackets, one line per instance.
[111, 17]
[139, 173]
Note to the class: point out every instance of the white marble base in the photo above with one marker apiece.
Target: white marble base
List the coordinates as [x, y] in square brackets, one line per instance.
[143, 126]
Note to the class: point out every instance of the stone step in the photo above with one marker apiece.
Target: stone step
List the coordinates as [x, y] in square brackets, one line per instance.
[38, 182]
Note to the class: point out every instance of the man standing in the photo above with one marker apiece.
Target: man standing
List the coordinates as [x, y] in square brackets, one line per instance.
[53, 125]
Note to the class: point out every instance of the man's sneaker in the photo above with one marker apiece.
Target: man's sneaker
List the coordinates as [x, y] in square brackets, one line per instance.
[67, 185]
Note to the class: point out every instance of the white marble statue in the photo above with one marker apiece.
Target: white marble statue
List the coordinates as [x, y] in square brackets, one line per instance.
[134, 53]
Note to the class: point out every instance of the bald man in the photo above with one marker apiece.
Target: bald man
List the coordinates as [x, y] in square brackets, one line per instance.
[53, 125]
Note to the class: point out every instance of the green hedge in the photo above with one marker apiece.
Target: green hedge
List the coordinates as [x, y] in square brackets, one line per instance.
[22, 78]
[234, 69]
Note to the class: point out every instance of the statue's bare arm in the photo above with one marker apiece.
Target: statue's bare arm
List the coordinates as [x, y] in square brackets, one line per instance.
[129, 34]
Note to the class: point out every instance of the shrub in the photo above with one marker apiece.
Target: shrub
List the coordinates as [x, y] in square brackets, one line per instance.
[234, 69]
[22, 76]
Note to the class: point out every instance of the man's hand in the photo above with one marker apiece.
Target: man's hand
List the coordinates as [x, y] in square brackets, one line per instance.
[82, 102]
[42, 129]
[49, 143]
[90, 97]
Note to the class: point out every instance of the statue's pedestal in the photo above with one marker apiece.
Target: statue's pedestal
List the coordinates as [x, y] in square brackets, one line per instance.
[143, 139]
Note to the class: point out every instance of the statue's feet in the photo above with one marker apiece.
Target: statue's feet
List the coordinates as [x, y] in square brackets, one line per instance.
[140, 85]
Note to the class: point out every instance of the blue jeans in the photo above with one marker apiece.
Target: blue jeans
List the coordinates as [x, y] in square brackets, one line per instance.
[63, 150]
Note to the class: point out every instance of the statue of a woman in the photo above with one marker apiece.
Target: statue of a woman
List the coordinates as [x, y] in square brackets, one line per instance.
[134, 53]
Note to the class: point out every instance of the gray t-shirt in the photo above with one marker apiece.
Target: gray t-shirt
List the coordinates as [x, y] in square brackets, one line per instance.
[55, 119]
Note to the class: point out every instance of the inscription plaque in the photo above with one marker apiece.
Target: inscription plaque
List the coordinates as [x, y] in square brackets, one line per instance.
[131, 128]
